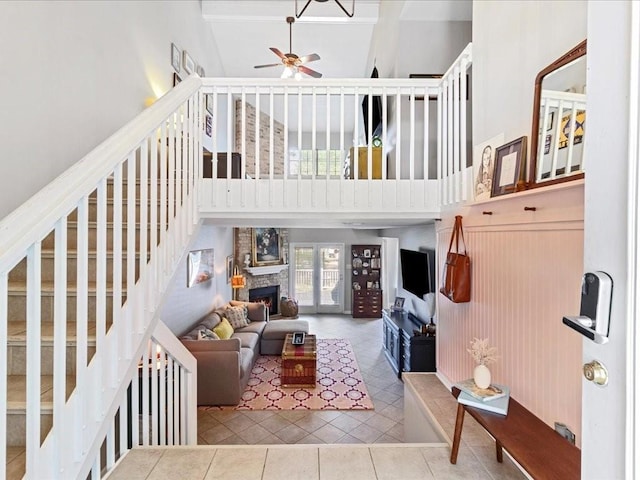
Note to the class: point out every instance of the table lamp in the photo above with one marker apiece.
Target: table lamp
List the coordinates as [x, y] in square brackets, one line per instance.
[237, 282]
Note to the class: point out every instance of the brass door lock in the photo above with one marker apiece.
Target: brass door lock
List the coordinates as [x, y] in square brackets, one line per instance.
[595, 372]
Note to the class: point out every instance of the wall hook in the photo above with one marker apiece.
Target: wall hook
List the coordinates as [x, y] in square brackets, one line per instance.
[487, 213]
[529, 209]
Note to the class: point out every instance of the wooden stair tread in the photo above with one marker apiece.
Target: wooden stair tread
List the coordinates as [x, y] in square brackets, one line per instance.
[20, 288]
[17, 333]
[16, 392]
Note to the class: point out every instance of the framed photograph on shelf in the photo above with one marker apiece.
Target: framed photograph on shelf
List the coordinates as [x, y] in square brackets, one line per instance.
[509, 167]
[483, 166]
[199, 266]
[229, 268]
[188, 63]
[176, 79]
[398, 304]
[175, 57]
[265, 246]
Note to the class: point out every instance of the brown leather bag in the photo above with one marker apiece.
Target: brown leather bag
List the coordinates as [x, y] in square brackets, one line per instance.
[456, 275]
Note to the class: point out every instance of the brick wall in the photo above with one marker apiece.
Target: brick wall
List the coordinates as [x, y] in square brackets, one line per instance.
[242, 245]
[250, 141]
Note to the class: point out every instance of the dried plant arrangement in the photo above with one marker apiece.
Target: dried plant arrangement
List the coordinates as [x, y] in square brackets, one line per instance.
[481, 352]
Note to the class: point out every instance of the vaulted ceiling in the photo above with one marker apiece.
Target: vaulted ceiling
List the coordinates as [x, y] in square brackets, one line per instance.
[245, 29]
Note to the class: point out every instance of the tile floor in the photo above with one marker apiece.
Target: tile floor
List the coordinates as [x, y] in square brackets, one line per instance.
[380, 454]
[384, 424]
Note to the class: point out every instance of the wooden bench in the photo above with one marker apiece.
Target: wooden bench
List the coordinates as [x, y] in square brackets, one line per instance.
[537, 448]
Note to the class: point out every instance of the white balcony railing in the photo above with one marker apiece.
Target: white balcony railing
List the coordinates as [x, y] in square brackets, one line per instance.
[117, 223]
[562, 122]
[411, 160]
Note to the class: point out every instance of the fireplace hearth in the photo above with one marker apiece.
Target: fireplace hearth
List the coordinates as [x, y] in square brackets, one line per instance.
[268, 295]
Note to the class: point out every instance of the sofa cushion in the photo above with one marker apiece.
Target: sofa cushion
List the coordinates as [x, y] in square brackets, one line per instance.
[256, 311]
[211, 320]
[247, 339]
[278, 329]
[246, 362]
[237, 316]
[206, 334]
[254, 327]
[229, 345]
[224, 329]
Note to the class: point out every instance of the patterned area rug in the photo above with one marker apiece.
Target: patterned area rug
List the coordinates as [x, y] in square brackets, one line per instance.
[339, 384]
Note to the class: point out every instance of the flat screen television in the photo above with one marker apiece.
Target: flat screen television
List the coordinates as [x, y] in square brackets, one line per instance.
[418, 271]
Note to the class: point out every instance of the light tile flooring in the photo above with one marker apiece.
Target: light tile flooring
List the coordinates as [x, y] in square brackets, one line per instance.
[384, 424]
[383, 456]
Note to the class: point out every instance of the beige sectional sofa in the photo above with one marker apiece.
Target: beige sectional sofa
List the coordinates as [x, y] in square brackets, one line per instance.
[224, 366]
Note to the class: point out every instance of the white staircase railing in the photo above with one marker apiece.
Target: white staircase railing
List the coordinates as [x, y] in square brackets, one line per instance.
[135, 197]
[124, 214]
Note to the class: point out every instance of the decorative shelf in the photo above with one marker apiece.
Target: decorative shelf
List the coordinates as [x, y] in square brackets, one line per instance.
[268, 270]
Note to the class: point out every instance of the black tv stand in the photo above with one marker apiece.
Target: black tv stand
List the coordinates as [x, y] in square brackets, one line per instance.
[405, 351]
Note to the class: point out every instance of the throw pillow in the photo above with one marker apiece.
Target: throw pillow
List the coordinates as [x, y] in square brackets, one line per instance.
[237, 316]
[206, 334]
[224, 329]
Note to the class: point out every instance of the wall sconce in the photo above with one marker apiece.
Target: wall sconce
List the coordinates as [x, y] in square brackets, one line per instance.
[238, 281]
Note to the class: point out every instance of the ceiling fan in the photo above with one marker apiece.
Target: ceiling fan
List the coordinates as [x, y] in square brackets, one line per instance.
[293, 64]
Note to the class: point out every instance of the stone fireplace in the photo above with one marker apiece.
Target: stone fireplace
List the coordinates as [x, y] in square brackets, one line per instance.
[269, 295]
[260, 279]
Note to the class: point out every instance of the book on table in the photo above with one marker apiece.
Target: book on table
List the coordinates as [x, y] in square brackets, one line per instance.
[492, 392]
[497, 405]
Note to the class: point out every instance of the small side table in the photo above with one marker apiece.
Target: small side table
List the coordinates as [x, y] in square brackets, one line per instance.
[298, 362]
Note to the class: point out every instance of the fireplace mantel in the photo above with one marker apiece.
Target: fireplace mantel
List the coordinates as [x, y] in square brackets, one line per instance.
[268, 270]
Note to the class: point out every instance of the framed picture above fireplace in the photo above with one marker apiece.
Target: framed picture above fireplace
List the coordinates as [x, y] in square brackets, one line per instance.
[265, 246]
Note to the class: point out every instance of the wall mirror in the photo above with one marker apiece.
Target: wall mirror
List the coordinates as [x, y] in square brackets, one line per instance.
[558, 126]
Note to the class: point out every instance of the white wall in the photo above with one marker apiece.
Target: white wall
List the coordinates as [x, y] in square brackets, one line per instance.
[512, 42]
[75, 72]
[423, 48]
[412, 238]
[184, 306]
[606, 226]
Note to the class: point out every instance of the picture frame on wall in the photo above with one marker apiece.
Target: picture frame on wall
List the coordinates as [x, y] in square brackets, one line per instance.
[208, 125]
[176, 79]
[229, 268]
[188, 63]
[265, 246]
[199, 266]
[509, 167]
[175, 57]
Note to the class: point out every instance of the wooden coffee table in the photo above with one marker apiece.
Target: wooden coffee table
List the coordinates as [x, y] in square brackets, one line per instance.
[298, 362]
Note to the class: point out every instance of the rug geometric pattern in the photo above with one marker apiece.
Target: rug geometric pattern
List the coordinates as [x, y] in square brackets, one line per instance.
[339, 384]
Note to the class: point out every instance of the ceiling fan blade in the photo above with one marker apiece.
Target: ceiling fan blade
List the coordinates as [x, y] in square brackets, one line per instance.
[309, 58]
[277, 52]
[309, 72]
[268, 65]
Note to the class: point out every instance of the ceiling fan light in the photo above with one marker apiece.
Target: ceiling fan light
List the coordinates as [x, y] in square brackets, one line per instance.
[287, 72]
[298, 75]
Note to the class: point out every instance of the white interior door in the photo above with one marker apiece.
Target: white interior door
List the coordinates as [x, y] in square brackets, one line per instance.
[317, 280]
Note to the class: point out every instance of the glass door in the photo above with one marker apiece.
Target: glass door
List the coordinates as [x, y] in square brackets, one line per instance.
[317, 280]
